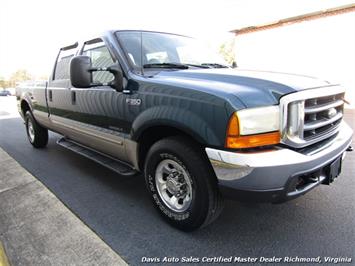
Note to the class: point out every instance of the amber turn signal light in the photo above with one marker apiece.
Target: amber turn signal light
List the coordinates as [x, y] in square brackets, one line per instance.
[235, 141]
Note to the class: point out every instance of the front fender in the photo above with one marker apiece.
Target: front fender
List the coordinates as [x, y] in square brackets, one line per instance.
[25, 97]
[178, 118]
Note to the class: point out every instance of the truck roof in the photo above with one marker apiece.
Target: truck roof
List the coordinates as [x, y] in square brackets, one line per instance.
[101, 34]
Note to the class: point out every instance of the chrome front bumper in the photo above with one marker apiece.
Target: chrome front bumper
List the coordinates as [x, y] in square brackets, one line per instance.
[270, 172]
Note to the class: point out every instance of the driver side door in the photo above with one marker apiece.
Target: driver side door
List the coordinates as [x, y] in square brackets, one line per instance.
[98, 112]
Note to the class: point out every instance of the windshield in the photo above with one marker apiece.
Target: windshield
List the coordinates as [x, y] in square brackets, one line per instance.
[152, 49]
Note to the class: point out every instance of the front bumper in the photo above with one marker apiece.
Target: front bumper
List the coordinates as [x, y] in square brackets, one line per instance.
[278, 174]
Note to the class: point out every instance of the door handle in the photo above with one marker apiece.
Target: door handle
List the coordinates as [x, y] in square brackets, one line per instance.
[50, 95]
[73, 97]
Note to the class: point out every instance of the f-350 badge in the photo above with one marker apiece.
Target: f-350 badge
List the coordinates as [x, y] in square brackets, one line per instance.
[131, 101]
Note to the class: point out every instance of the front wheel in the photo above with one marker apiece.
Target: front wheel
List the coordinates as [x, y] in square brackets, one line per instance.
[37, 135]
[182, 184]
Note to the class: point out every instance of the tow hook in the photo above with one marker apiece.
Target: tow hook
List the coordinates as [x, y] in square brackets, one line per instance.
[350, 148]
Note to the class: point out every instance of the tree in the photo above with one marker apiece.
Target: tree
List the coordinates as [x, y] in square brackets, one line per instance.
[43, 77]
[226, 50]
[3, 83]
[18, 76]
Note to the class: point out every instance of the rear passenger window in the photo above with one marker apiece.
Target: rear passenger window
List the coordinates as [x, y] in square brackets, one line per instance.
[62, 65]
[100, 57]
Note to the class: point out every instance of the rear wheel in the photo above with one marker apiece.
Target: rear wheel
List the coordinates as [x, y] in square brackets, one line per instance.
[182, 184]
[37, 135]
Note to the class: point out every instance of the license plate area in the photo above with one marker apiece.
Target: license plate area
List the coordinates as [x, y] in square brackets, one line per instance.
[333, 170]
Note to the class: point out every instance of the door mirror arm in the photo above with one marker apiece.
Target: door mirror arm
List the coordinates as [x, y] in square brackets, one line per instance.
[115, 70]
[81, 73]
[117, 82]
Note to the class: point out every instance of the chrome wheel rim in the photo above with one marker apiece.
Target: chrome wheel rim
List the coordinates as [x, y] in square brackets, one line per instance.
[30, 130]
[173, 184]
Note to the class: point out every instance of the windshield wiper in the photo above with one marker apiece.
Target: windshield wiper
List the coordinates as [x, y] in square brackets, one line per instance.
[214, 65]
[184, 66]
[166, 65]
[199, 66]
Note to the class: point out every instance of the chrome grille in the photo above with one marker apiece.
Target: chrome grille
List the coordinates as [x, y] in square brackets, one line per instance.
[311, 115]
[322, 114]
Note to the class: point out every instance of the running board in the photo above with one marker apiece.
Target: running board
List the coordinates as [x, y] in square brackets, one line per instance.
[105, 160]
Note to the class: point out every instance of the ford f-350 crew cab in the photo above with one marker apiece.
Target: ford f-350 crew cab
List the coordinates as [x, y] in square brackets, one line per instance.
[200, 131]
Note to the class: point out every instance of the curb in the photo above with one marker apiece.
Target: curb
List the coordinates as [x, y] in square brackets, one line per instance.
[3, 258]
[32, 216]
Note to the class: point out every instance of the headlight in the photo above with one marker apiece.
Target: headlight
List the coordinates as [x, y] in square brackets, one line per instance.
[258, 120]
[254, 127]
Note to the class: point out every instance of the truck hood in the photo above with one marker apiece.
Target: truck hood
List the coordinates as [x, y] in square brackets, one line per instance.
[252, 88]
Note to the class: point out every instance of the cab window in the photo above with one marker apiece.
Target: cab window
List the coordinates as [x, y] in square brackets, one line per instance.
[100, 57]
[61, 71]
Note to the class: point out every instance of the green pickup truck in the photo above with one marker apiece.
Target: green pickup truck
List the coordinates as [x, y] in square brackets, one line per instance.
[200, 131]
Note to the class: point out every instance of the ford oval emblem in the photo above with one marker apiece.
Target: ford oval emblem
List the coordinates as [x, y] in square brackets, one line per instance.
[332, 112]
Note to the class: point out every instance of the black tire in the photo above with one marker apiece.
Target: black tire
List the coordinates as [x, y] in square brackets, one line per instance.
[206, 202]
[38, 135]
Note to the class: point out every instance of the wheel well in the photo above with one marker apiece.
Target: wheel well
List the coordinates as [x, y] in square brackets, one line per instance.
[24, 107]
[153, 134]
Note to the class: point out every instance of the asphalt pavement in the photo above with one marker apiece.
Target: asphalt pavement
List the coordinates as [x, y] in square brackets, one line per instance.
[119, 210]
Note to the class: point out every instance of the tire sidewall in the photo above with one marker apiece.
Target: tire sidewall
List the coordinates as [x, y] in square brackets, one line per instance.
[28, 117]
[197, 208]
